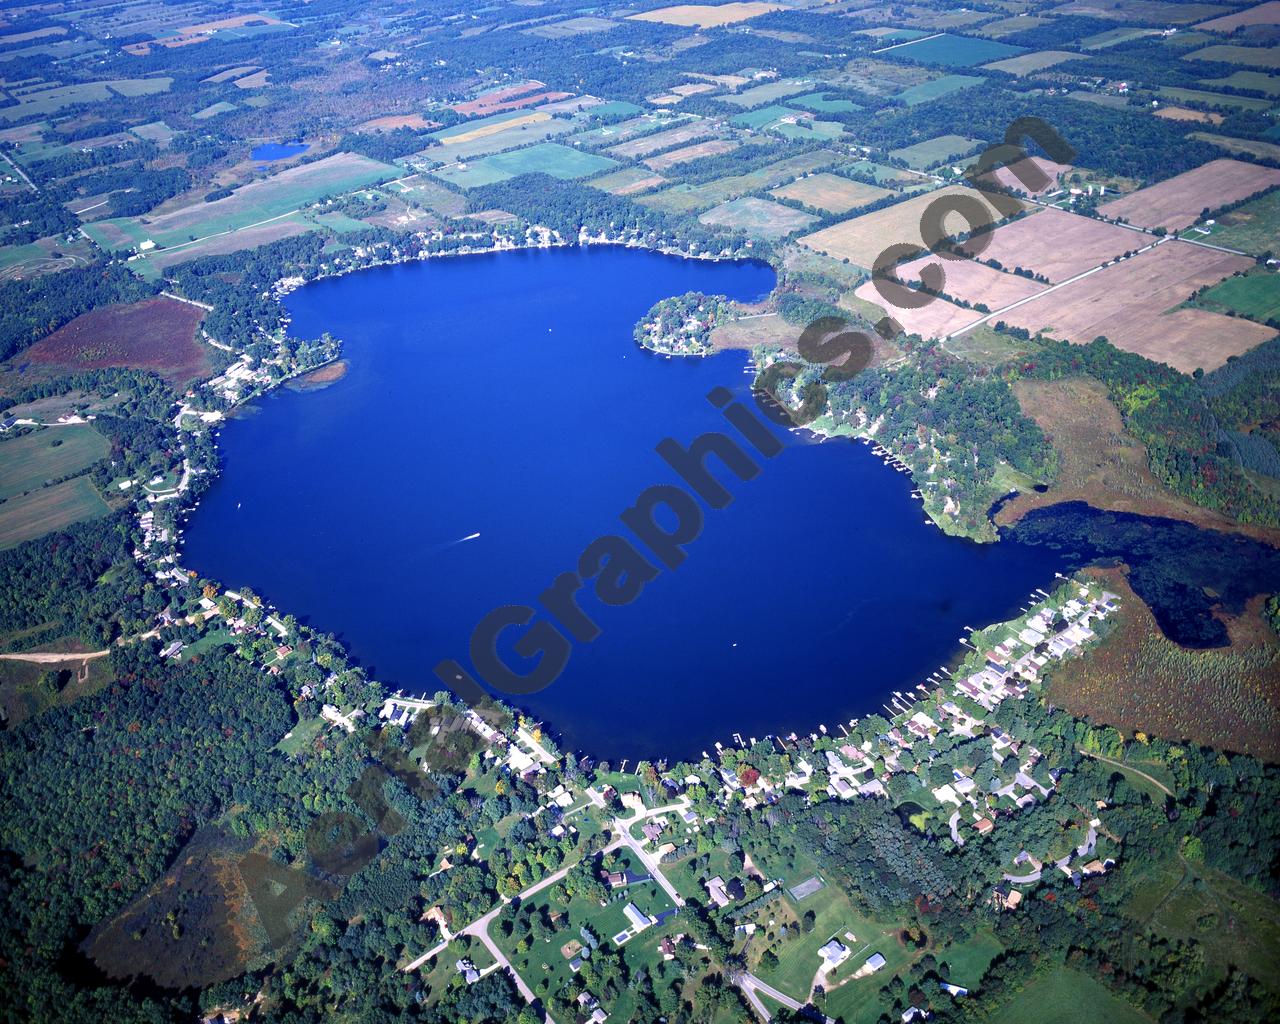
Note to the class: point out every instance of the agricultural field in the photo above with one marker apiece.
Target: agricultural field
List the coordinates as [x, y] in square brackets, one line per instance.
[712, 147]
[705, 15]
[1114, 37]
[214, 109]
[1256, 81]
[825, 103]
[469, 131]
[1130, 303]
[1150, 12]
[1141, 680]
[52, 100]
[50, 508]
[1013, 175]
[763, 117]
[1248, 56]
[1253, 227]
[1252, 147]
[157, 261]
[936, 87]
[28, 462]
[1177, 202]
[1008, 26]
[1057, 244]
[1263, 14]
[933, 152]
[549, 158]
[1027, 63]
[628, 181]
[809, 131]
[498, 100]
[156, 334]
[1186, 114]
[831, 192]
[769, 92]
[1255, 295]
[758, 218]
[690, 198]
[646, 144]
[259, 200]
[1213, 99]
[936, 319]
[883, 174]
[862, 239]
[973, 282]
[586, 25]
[954, 51]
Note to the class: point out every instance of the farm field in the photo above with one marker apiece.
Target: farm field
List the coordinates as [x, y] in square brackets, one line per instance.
[862, 239]
[809, 131]
[1253, 227]
[159, 260]
[582, 26]
[975, 282]
[1012, 176]
[646, 144]
[954, 51]
[517, 133]
[931, 90]
[628, 181]
[257, 201]
[763, 116]
[759, 218]
[1008, 26]
[1186, 114]
[1213, 99]
[1249, 56]
[712, 147]
[1146, 11]
[1058, 244]
[1129, 303]
[824, 103]
[690, 198]
[1263, 14]
[831, 192]
[884, 174]
[935, 319]
[548, 158]
[50, 508]
[706, 15]
[1254, 80]
[478, 129]
[1255, 295]
[493, 101]
[1113, 37]
[1026, 63]
[156, 334]
[49, 454]
[932, 152]
[769, 92]
[1177, 202]
[1064, 996]
[1252, 147]
[50, 101]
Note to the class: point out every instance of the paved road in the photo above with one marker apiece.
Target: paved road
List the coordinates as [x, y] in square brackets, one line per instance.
[751, 985]
[623, 827]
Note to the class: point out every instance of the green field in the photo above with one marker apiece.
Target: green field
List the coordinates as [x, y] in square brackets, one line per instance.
[213, 110]
[1255, 295]
[943, 86]
[769, 92]
[932, 152]
[1213, 99]
[544, 158]
[1114, 36]
[759, 218]
[617, 108]
[49, 101]
[763, 117]
[48, 509]
[253, 203]
[50, 454]
[1249, 56]
[1252, 228]
[810, 131]
[1256, 81]
[954, 51]
[1063, 996]
[825, 103]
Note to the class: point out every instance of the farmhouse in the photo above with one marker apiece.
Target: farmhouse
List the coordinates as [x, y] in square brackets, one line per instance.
[833, 954]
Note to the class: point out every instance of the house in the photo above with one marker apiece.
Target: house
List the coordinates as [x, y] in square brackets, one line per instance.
[172, 649]
[874, 962]
[639, 920]
[953, 990]
[833, 954]
[652, 830]
[468, 971]
[914, 1013]
[614, 879]
[716, 890]
[983, 825]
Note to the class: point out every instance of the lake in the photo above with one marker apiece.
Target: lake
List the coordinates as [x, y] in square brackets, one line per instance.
[278, 150]
[503, 395]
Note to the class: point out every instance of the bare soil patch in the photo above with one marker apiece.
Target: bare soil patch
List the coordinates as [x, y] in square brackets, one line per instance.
[1177, 203]
[1058, 244]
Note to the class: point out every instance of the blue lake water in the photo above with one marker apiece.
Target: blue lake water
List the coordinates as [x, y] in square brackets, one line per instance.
[503, 395]
[278, 150]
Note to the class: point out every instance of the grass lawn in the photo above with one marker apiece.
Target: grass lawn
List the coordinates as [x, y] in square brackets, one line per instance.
[48, 509]
[49, 454]
[1067, 997]
[986, 346]
[301, 736]
[207, 644]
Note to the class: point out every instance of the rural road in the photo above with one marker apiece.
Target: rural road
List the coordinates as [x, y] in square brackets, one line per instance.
[1120, 764]
[52, 658]
[751, 987]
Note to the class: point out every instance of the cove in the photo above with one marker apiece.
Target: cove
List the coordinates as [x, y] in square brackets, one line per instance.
[269, 151]
[503, 395]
